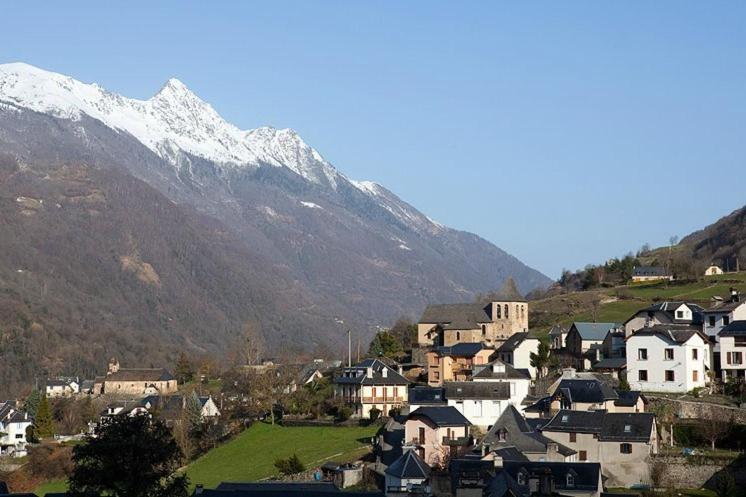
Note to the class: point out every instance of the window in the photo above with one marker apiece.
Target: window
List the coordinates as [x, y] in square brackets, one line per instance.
[484, 330]
[679, 314]
[695, 354]
[374, 391]
[670, 375]
[570, 480]
[583, 456]
[521, 478]
[695, 375]
[627, 428]
[19, 435]
[502, 435]
[711, 321]
[422, 435]
[668, 354]
[642, 375]
[726, 320]
[737, 358]
[458, 335]
[499, 311]
[642, 354]
[573, 437]
[507, 311]
[565, 417]
[625, 448]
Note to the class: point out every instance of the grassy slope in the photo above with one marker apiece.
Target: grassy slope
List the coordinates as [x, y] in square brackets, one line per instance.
[252, 454]
[577, 306]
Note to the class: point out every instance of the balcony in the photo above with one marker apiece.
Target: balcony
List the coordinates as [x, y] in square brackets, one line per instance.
[382, 400]
[457, 442]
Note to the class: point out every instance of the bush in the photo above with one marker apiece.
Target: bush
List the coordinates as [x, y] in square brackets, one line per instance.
[343, 413]
[290, 466]
[375, 413]
[51, 462]
[694, 392]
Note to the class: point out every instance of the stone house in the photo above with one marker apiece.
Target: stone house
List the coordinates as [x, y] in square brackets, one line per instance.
[371, 384]
[650, 273]
[668, 359]
[569, 479]
[511, 430]
[135, 381]
[437, 434]
[517, 350]
[456, 362]
[585, 341]
[13, 425]
[732, 339]
[491, 323]
[621, 442]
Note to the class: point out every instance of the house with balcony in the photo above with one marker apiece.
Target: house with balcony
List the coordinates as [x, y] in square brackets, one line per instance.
[456, 362]
[732, 340]
[621, 442]
[437, 434]
[371, 384]
[13, 425]
[668, 358]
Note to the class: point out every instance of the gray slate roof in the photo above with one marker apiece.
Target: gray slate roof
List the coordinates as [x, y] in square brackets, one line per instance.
[587, 391]
[508, 373]
[593, 331]
[615, 363]
[621, 427]
[426, 395]
[140, 374]
[629, 399]
[441, 416]
[358, 376]
[671, 333]
[649, 271]
[457, 316]
[519, 434]
[409, 465]
[514, 341]
[736, 328]
[477, 390]
[460, 350]
[586, 474]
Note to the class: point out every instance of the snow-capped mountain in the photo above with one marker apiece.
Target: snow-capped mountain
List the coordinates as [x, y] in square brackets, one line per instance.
[319, 248]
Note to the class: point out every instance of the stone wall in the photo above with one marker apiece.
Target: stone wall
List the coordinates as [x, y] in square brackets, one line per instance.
[694, 471]
[700, 410]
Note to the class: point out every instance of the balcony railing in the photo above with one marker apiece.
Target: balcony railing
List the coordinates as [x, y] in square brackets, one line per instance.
[382, 400]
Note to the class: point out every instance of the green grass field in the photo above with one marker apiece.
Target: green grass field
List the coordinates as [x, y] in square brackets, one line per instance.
[251, 455]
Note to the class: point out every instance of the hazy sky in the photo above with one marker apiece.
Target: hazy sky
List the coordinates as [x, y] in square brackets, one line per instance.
[564, 132]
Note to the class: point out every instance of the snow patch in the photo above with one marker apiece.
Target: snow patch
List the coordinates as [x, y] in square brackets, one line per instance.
[310, 205]
[404, 247]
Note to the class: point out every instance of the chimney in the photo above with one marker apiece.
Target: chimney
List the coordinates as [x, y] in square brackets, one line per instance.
[369, 372]
[399, 369]
[385, 372]
[734, 295]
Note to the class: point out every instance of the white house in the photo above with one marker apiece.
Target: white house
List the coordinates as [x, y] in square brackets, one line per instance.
[732, 340]
[62, 387]
[713, 270]
[481, 402]
[516, 351]
[724, 312]
[13, 425]
[499, 372]
[666, 358]
[664, 313]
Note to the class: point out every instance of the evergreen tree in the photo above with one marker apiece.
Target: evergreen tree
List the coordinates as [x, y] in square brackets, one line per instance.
[184, 370]
[43, 424]
[193, 411]
[623, 385]
[130, 456]
[32, 402]
[385, 344]
[540, 358]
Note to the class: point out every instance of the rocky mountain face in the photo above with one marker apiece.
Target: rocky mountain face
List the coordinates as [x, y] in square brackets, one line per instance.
[139, 228]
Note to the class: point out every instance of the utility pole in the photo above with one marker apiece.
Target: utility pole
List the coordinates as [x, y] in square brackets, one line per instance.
[358, 349]
[349, 349]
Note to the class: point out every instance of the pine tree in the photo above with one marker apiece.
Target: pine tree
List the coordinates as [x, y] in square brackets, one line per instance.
[32, 402]
[43, 425]
[184, 370]
[193, 411]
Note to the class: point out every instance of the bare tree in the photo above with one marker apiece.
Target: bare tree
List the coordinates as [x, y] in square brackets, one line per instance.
[714, 428]
[252, 343]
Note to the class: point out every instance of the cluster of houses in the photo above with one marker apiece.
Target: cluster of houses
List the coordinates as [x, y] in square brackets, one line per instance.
[470, 405]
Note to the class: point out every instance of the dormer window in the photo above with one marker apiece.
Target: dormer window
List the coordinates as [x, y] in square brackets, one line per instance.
[627, 428]
[521, 477]
[565, 418]
[570, 480]
[502, 435]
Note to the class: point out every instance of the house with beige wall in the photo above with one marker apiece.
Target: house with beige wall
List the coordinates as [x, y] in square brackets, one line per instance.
[732, 340]
[517, 350]
[437, 434]
[371, 384]
[455, 362]
[621, 442]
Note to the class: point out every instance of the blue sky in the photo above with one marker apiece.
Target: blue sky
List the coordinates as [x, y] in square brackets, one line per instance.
[564, 132]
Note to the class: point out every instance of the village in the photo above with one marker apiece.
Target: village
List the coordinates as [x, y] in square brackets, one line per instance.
[477, 405]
